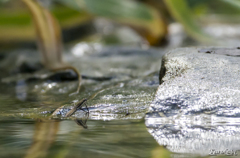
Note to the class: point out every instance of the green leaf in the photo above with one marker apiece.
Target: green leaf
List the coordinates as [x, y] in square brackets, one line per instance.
[113, 8]
[129, 12]
[119, 9]
[180, 10]
[76, 4]
[234, 3]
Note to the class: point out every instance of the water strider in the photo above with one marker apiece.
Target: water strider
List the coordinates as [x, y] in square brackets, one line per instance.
[83, 102]
[78, 106]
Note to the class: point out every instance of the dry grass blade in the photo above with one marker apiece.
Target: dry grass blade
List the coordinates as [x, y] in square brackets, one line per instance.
[49, 38]
[48, 35]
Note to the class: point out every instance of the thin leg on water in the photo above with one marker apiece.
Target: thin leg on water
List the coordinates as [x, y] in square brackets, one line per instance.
[76, 107]
[85, 104]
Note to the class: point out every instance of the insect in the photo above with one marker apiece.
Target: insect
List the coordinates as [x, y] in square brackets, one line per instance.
[78, 106]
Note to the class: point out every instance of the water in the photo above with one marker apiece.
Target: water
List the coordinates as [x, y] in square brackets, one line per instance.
[121, 86]
[55, 138]
[116, 125]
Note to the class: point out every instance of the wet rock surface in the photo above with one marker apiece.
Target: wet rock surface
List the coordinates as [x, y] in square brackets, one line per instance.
[124, 80]
[197, 106]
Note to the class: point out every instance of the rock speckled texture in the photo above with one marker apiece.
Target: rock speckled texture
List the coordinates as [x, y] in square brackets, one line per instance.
[197, 106]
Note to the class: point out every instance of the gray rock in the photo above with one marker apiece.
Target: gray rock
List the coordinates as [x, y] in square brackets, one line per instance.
[197, 105]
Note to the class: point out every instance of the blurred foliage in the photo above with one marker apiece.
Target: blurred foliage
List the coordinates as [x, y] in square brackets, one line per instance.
[16, 25]
[148, 17]
[182, 13]
[221, 7]
[145, 19]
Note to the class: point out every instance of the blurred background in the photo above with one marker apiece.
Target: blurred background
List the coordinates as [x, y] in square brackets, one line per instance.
[127, 22]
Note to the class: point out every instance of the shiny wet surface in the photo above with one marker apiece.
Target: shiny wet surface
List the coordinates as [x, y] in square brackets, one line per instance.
[121, 86]
[54, 138]
[115, 126]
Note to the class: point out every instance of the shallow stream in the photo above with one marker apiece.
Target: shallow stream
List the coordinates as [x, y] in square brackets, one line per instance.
[115, 126]
[123, 81]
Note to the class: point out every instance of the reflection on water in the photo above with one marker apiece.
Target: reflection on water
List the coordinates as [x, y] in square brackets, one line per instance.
[83, 121]
[55, 138]
[193, 136]
[44, 135]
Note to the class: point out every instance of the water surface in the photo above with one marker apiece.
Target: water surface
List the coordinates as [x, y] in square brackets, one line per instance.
[54, 138]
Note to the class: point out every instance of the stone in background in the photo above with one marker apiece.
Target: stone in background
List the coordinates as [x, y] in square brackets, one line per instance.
[197, 105]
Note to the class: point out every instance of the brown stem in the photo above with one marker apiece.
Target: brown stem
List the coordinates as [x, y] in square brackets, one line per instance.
[76, 71]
